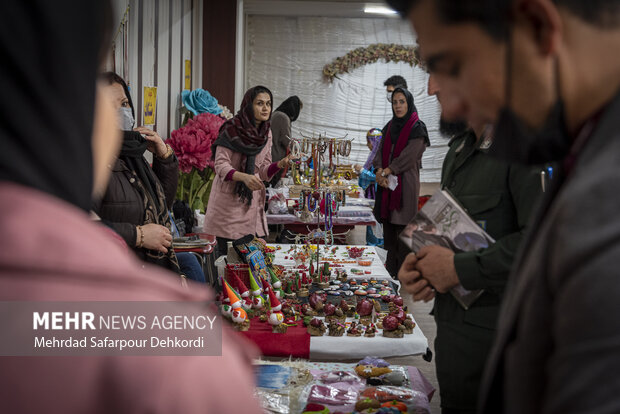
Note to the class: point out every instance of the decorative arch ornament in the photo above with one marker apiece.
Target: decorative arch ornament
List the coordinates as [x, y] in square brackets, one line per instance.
[370, 54]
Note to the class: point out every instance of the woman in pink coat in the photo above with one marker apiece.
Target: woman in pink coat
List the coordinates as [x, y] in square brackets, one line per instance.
[242, 162]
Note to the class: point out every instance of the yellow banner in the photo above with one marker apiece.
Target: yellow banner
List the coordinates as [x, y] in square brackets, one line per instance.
[188, 74]
[150, 103]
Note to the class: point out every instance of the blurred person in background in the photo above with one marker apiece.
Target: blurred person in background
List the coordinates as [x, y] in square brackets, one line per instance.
[281, 119]
[53, 251]
[392, 83]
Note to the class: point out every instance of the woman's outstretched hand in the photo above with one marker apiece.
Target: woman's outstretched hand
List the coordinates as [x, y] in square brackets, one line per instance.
[284, 161]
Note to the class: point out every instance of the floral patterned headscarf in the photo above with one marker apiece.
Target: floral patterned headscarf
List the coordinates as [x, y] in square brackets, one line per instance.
[374, 137]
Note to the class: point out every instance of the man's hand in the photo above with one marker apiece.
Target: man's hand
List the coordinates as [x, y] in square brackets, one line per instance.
[412, 282]
[436, 264]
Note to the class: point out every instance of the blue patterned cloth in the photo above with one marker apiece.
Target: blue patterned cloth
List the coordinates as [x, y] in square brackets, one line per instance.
[367, 178]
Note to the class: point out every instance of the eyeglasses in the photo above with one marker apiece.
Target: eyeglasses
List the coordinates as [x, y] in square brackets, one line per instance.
[389, 97]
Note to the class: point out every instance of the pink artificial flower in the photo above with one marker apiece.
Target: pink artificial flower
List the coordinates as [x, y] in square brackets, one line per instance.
[192, 143]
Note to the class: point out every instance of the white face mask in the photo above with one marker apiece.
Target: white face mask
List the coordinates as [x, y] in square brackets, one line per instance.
[125, 119]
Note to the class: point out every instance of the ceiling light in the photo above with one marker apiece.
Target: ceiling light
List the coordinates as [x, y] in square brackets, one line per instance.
[379, 10]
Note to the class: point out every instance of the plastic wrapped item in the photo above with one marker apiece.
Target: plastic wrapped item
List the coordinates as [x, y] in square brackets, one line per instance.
[200, 219]
[374, 361]
[273, 402]
[326, 394]
[388, 393]
[339, 376]
[272, 376]
[278, 387]
[416, 401]
[397, 377]
[277, 200]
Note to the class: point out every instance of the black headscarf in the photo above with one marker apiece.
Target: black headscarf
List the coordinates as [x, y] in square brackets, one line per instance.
[419, 129]
[110, 78]
[134, 146]
[241, 134]
[132, 154]
[291, 107]
[49, 65]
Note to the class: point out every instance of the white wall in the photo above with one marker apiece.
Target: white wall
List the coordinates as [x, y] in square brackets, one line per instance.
[150, 50]
[287, 54]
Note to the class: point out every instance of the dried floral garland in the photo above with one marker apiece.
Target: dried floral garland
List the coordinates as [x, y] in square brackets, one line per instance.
[371, 54]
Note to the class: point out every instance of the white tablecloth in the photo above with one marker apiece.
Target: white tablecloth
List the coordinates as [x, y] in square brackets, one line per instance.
[357, 210]
[363, 216]
[333, 348]
[329, 348]
[360, 201]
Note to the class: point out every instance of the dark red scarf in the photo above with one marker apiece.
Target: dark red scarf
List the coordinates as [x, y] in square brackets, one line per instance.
[393, 199]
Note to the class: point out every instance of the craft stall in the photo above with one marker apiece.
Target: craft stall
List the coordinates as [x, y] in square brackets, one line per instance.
[370, 385]
[320, 189]
[321, 307]
[317, 307]
[322, 302]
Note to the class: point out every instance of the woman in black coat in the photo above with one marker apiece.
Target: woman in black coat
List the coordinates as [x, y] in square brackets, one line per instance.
[138, 197]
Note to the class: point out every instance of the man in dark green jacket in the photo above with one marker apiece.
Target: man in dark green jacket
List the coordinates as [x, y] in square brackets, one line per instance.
[499, 197]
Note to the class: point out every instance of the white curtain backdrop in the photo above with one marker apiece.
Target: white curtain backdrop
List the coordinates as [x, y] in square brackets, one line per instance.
[287, 54]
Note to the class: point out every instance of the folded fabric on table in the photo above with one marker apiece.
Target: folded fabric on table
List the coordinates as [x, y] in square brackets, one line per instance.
[354, 211]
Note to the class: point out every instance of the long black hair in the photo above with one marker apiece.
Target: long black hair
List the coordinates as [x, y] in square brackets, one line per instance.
[291, 106]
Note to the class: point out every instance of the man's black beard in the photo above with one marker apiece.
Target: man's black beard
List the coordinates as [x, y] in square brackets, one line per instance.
[515, 142]
[450, 129]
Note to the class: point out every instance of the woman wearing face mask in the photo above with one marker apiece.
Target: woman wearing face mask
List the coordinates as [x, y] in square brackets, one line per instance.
[138, 197]
[242, 155]
[405, 139]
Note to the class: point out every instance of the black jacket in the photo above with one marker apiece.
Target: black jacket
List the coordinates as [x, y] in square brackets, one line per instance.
[124, 204]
